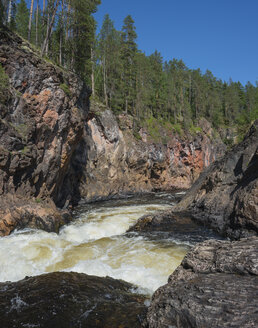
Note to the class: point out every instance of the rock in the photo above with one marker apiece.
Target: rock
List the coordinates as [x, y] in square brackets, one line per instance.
[70, 300]
[40, 128]
[114, 162]
[43, 125]
[172, 226]
[225, 197]
[215, 286]
[55, 148]
[18, 213]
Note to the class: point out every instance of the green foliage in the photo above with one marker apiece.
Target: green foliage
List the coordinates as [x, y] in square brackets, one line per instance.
[128, 58]
[25, 150]
[22, 19]
[4, 85]
[177, 129]
[66, 89]
[127, 80]
[194, 130]
[2, 10]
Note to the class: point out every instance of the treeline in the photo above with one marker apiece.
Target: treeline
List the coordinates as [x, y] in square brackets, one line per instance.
[125, 79]
[121, 75]
[63, 30]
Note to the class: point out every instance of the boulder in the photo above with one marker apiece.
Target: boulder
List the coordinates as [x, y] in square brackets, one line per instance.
[215, 286]
[65, 300]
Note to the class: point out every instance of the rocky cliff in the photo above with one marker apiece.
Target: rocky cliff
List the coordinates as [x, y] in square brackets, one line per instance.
[41, 124]
[55, 150]
[116, 162]
[225, 197]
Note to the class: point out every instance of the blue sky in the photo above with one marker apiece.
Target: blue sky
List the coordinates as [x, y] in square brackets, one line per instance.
[219, 35]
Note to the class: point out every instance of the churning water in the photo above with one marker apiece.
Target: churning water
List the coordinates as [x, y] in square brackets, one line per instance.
[96, 243]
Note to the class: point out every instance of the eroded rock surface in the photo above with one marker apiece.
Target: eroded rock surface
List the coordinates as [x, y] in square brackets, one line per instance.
[115, 162]
[54, 149]
[168, 225]
[215, 286]
[225, 197]
[41, 124]
[65, 300]
[18, 213]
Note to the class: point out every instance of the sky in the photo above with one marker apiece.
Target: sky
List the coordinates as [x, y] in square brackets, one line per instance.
[218, 35]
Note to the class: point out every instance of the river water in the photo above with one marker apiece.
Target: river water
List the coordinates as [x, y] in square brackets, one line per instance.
[96, 243]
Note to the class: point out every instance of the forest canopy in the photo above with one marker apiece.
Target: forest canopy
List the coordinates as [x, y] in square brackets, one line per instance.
[121, 75]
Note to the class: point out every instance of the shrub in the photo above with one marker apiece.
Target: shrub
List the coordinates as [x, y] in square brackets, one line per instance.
[66, 89]
[4, 85]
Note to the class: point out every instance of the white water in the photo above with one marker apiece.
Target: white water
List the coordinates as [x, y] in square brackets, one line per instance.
[93, 244]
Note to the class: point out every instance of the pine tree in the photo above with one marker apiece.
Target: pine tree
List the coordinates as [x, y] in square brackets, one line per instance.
[129, 51]
[30, 19]
[109, 47]
[22, 19]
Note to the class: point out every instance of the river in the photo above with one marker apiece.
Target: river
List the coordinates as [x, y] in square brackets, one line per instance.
[96, 243]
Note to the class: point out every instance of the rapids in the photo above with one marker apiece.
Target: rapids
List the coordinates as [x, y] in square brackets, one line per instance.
[96, 243]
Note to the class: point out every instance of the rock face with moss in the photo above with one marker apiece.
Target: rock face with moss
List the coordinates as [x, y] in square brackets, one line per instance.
[215, 286]
[40, 128]
[225, 197]
[115, 161]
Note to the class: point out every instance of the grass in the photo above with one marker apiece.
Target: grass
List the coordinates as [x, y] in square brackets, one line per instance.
[66, 89]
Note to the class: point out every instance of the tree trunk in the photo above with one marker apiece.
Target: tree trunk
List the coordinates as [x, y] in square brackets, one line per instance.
[37, 22]
[49, 29]
[92, 74]
[9, 12]
[68, 22]
[61, 36]
[30, 21]
[105, 82]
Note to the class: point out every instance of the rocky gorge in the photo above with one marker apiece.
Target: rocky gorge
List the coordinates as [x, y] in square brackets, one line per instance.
[58, 150]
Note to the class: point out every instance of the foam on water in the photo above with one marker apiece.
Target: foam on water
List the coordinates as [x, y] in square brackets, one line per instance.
[93, 244]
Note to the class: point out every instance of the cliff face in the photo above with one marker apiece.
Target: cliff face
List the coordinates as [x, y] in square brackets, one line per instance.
[225, 196]
[116, 162]
[41, 124]
[55, 150]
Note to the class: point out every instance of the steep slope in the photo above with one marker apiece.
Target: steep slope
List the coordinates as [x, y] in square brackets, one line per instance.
[114, 161]
[41, 123]
[225, 196]
[55, 150]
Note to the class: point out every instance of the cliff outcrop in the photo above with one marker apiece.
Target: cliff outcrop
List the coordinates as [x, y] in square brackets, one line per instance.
[41, 124]
[116, 162]
[225, 197]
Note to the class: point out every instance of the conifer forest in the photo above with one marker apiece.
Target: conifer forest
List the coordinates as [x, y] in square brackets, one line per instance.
[121, 75]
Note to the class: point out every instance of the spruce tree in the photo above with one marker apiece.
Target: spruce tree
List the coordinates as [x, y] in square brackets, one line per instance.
[129, 51]
[22, 19]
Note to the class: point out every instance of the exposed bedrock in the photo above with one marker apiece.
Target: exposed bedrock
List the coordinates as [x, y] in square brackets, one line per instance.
[116, 162]
[65, 300]
[41, 124]
[225, 197]
[215, 286]
[55, 150]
